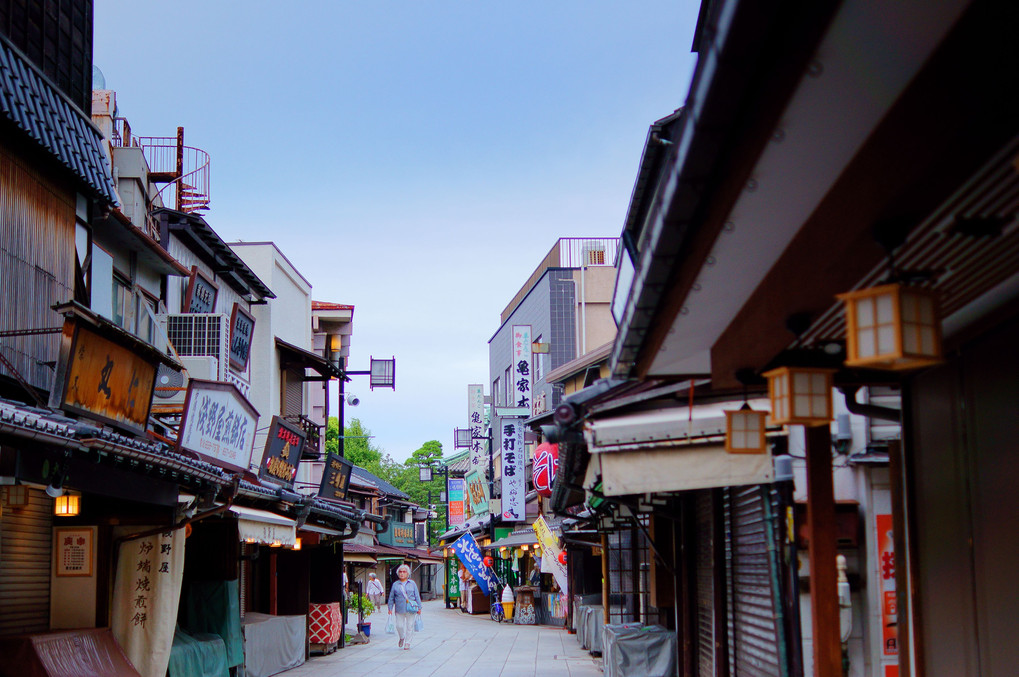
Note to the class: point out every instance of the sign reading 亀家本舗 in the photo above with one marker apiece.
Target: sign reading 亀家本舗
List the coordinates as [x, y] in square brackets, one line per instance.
[522, 385]
[550, 549]
[218, 424]
[455, 491]
[514, 485]
[99, 377]
[477, 492]
[282, 454]
[468, 552]
[476, 426]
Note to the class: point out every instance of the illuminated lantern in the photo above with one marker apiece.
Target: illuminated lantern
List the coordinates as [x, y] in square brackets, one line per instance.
[800, 395]
[562, 557]
[546, 462]
[892, 326]
[489, 562]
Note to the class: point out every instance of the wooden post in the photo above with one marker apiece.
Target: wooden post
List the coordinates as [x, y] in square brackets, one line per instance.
[824, 601]
[273, 593]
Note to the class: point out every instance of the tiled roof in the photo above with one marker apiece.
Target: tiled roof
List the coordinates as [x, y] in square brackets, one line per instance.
[365, 478]
[326, 305]
[39, 110]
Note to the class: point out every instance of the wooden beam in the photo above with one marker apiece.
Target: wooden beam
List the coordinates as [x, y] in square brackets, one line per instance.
[824, 603]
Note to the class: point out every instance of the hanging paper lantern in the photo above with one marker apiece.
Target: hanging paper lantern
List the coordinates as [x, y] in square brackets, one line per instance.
[546, 462]
[489, 561]
[562, 557]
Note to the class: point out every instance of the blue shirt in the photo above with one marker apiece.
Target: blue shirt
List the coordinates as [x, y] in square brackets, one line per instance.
[397, 599]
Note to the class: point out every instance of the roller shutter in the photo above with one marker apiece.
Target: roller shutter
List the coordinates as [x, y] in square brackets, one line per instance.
[26, 542]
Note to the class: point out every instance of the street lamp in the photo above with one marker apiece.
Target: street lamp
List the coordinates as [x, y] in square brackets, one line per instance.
[425, 475]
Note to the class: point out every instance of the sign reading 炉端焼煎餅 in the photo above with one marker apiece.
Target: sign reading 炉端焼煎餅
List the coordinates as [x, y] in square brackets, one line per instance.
[455, 492]
[477, 492]
[99, 377]
[218, 424]
[242, 330]
[523, 383]
[514, 485]
[476, 426]
[201, 294]
[282, 453]
[335, 478]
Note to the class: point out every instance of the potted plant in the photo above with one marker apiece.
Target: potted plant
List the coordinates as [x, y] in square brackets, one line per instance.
[364, 607]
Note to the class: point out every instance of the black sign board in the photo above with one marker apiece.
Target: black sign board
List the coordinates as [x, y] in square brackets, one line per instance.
[201, 293]
[335, 478]
[242, 330]
[282, 453]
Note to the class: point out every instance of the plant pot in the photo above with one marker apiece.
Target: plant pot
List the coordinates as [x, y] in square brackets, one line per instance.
[366, 628]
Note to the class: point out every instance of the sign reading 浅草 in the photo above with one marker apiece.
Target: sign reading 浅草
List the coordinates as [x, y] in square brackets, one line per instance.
[218, 424]
[282, 453]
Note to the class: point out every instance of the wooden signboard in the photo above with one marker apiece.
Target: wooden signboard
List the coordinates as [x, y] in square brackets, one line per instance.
[335, 478]
[283, 447]
[242, 330]
[218, 424]
[201, 294]
[103, 379]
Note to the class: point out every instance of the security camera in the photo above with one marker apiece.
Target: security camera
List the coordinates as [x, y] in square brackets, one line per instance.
[353, 400]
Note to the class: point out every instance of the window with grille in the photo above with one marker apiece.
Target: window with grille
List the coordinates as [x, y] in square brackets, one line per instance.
[195, 334]
[629, 591]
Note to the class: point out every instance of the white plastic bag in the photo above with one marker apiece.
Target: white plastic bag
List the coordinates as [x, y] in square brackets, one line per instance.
[391, 626]
[418, 624]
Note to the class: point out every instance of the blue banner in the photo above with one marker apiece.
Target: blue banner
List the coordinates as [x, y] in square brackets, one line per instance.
[468, 552]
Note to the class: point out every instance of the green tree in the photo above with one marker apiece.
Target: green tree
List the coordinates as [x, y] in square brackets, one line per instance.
[430, 453]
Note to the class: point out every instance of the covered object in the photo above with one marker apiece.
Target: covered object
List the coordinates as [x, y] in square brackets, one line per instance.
[71, 653]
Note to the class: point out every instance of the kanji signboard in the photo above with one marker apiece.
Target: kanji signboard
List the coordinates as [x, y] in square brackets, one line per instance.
[514, 484]
[523, 383]
[218, 424]
[282, 453]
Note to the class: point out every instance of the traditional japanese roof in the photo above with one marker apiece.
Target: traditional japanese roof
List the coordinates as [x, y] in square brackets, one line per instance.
[325, 305]
[365, 478]
[48, 118]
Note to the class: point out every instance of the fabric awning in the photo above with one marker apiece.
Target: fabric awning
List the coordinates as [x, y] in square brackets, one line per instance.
[514, 541]
[359, 558]
[263, 527]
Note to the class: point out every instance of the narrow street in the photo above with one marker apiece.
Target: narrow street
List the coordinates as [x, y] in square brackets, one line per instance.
[454, 644]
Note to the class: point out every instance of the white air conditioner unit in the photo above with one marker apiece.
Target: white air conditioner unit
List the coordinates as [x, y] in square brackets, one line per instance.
[171, 385]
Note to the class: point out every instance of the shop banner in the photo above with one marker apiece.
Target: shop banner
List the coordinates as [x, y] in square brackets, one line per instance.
[477, 492]
[476, 426]
[550, 550]
[522, 379]
[468, 552]
[455, 492]
[145, 597]
[514, 485]
[886, 586]
[453, 578]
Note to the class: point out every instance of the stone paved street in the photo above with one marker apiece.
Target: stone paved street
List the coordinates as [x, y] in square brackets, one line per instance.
[454, 644]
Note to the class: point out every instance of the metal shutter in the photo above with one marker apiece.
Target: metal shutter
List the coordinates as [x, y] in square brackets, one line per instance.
[293, 391]
[705, 593]
[26, 542]
[756, 639]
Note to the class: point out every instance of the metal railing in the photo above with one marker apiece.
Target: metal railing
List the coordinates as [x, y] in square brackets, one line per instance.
[312, 432]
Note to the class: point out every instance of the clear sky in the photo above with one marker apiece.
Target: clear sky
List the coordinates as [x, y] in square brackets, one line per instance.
[416, 159]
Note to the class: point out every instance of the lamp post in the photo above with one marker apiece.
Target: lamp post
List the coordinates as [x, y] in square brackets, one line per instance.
[425, 473]
[382, 374]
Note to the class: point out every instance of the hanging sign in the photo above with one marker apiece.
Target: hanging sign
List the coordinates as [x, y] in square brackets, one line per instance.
[218, 424]
[201, 294]
[453, 578]
[242, 330]
[145, 598]
[476, 426]
[282, 453]
[514, 484]
[550, 552]
[477, 492]
[101, 378]
[543, 469]
[468, 552]
[455, 492]
[335, 478]
[522, 377]
[886, 586]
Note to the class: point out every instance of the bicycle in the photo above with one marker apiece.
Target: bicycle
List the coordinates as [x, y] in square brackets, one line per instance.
[495, 606]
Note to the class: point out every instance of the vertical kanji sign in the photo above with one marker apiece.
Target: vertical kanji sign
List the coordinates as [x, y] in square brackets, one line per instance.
[522, 385]
[886, 586]
[476, 425]
[514, 485]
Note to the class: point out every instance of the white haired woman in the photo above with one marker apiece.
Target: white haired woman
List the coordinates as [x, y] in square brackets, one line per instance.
[376, 593]
[405, 601]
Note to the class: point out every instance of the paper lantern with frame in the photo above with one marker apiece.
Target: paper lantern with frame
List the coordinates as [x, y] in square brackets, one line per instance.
[800, 395]
[744, 431]
[892, 326]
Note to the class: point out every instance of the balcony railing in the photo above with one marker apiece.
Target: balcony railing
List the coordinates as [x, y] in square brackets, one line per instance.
[313, 436]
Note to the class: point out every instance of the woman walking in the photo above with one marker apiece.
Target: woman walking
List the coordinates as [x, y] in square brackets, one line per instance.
[376, 593]
[405, 601]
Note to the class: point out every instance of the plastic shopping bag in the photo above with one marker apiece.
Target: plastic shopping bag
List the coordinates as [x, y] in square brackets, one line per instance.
[418, 624]
[391, 626]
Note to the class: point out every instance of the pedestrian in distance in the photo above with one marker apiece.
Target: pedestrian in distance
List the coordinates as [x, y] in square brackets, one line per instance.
[405, 602]
[376, 593]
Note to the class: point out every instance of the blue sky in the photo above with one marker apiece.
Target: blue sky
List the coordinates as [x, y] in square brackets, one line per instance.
[414, 159]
